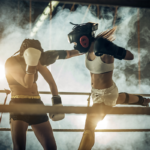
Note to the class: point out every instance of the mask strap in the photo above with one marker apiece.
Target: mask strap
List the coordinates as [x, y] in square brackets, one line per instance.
[75, 25]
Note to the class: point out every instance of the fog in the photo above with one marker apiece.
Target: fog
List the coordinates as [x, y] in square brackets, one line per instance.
[71, 75]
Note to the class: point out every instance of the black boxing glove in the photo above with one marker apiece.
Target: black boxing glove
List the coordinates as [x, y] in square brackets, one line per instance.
[103, 46]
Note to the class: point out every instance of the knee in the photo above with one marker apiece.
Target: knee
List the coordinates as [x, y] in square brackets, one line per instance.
[92, 121]
[122, 98]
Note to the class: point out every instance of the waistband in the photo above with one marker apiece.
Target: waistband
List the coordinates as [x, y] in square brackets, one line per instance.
[26, 96]
[102, 90]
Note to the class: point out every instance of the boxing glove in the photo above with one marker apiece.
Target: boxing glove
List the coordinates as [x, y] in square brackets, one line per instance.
[31, 56]
[103, 46]
[56, 101]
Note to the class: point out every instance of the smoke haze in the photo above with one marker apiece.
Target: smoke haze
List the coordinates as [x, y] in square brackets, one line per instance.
[72, 76]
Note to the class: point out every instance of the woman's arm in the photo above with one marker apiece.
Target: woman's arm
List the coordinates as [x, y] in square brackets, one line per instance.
[110, 59]
[49, 78]
[103, 46]
[129, 55]
[73, 53]
[49, 57]
[56, 99]
[15, 70]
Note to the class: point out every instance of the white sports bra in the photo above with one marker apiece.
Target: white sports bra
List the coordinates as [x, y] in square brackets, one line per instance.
[97, 66]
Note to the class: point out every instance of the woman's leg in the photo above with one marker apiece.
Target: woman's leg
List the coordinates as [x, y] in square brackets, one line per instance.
[88, 137]
[125, 98]
[93, 119]
[44, 134]
[18, 133]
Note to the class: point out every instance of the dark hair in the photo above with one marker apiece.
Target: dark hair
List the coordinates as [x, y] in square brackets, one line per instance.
[29, 43]
[108, 34]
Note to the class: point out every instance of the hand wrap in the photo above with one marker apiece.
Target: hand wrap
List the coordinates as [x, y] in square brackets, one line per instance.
[56, 101]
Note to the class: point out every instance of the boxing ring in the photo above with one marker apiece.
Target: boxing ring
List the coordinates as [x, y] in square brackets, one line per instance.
[38, 109]
[24, 109]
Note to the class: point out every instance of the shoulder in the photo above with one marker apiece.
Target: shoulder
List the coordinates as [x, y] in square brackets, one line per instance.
[11, 61]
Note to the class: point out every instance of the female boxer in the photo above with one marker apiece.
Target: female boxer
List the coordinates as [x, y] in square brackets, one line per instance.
[99, 60]
[21, 74]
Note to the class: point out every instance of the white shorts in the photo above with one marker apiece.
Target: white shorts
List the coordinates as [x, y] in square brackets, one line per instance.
[107, 96]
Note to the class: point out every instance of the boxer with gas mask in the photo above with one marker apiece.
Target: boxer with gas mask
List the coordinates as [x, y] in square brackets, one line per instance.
[21, 75]
[84, 34]
[99, 60]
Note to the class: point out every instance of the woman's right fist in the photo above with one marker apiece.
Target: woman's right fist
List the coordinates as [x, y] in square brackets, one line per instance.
[31, 56]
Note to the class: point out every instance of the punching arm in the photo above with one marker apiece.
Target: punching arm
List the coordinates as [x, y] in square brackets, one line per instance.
[49, 57]
[73, 53]
[103, 46]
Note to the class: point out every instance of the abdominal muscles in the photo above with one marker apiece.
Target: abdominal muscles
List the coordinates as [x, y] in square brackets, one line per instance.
[102, 81]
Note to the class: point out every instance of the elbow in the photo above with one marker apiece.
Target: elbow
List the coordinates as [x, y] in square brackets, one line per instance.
[129, 56]
[27, 87]
[132, 57]
[28, 81]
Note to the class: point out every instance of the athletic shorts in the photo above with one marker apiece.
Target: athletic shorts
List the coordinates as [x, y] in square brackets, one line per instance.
[107, 96]
[30, 119]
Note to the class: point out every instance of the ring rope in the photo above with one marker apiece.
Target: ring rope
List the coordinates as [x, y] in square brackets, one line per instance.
[78, 93]
[97, 130]
[40, 109]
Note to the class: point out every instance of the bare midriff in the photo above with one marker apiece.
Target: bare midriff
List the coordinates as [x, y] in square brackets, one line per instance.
[20, 90]
[102, 81]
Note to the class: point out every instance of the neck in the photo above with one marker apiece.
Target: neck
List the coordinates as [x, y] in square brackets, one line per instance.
[91, 49]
